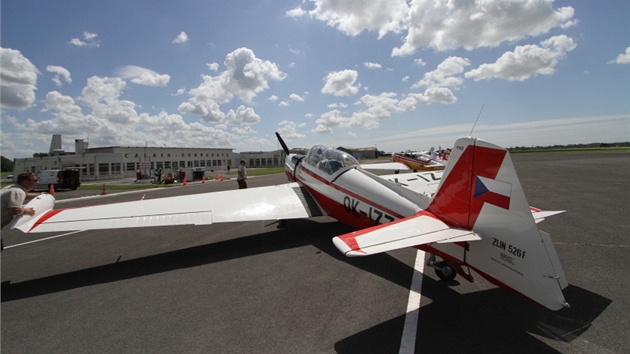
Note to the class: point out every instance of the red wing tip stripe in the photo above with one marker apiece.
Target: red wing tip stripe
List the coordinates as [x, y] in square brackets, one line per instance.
[49, 214]
[351, 241]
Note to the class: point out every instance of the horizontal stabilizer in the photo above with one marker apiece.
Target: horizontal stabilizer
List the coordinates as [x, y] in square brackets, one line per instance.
[540, 215]
[419, 229]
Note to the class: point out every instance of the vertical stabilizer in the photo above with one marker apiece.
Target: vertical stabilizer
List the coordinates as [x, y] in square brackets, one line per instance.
[480, 191]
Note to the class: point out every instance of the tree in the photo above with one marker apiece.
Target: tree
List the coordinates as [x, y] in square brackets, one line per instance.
[7, 165]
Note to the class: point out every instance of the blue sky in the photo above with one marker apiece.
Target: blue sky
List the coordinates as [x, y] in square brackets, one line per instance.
[393, 74]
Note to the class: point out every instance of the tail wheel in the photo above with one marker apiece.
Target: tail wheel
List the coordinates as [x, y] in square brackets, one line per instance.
[444, 271]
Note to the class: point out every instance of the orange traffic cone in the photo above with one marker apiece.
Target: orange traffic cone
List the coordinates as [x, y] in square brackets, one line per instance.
[51, 188]
[104, 192]
[203, 179]
[185, 184]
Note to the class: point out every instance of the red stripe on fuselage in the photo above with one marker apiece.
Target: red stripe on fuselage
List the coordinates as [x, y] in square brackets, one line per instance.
[337, 210]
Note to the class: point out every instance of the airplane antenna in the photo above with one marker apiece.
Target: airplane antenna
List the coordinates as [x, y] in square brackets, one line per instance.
[478, 115]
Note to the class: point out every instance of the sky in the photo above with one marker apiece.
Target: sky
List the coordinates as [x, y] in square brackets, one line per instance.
[391, 74]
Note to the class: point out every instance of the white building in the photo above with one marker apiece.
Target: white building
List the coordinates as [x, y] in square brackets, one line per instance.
[127, 161]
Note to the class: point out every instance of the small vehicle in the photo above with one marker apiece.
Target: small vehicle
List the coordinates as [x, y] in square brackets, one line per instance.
[60, 179]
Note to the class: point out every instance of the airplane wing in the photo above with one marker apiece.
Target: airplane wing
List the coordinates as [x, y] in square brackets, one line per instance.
[287, 201]
[419, 229]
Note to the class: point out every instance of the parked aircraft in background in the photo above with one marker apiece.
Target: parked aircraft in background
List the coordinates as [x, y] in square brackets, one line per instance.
[473, 215]
[421, 161]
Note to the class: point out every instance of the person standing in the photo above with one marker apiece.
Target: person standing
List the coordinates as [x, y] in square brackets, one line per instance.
[158, 174]
[242, 175]
[12, 199]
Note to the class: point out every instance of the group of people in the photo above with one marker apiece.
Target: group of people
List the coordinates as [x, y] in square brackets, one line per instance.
[13, 198]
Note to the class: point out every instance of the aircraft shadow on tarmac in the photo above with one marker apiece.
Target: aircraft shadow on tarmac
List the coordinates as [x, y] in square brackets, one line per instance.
[485, 321]
[489, 321]
[236, 248]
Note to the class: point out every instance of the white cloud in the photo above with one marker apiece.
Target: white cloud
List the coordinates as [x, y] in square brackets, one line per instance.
[353, 17]
[340, 83]
[19, 80]
[448, 25]
[89, 40]
[526, 61]
[370, 65]
[381, 107]
[213, 66]
[182, 37]
[442, 24]
[378, 108]
[296, 97]
[273, 98]
[242, 115]
[623, 58]
[288, 132]
[60, 73]
[296, 12]
[245, 77]
[244, 130]
[143, 76]
[444, 75]
[112, 121]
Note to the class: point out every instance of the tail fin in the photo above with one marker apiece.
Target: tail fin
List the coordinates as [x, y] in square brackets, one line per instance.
[480, 191]
[470, 181]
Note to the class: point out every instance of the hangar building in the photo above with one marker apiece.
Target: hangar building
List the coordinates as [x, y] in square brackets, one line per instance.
[113, 162]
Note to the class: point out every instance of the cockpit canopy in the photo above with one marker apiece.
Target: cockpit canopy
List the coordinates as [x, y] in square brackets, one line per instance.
[329, 160]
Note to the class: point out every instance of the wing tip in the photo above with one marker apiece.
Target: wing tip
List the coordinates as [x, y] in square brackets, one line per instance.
[346, 249]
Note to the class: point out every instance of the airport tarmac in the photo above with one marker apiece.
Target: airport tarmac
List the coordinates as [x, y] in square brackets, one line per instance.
[253, 288]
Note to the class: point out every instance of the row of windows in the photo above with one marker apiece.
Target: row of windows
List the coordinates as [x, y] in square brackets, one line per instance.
[117, 167]
[132, 166]
[263, 162]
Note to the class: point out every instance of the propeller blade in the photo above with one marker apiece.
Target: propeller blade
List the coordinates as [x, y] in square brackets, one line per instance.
[284, 146]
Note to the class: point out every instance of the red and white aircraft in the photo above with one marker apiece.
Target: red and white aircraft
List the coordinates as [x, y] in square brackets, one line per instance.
[473, 215]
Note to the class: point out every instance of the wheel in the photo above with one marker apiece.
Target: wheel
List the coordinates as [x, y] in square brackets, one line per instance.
[444, 271]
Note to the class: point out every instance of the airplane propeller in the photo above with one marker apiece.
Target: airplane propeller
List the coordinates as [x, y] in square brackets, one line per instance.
[284, 146]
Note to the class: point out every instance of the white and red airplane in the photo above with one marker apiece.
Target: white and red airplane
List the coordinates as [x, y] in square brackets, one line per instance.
[473, 215]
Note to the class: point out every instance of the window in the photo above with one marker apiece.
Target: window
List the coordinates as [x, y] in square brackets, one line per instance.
[131, 166]
[103, 169]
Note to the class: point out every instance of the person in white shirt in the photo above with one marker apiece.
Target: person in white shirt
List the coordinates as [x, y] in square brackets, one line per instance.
[242, 175]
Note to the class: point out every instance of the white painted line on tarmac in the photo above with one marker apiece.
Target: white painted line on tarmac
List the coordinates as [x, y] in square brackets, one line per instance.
[43, 239]
[408, 340]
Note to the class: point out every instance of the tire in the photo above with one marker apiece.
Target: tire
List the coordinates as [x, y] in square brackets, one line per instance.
[445, 272]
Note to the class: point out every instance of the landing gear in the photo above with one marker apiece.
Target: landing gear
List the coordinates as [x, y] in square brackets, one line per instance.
[442, 269]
